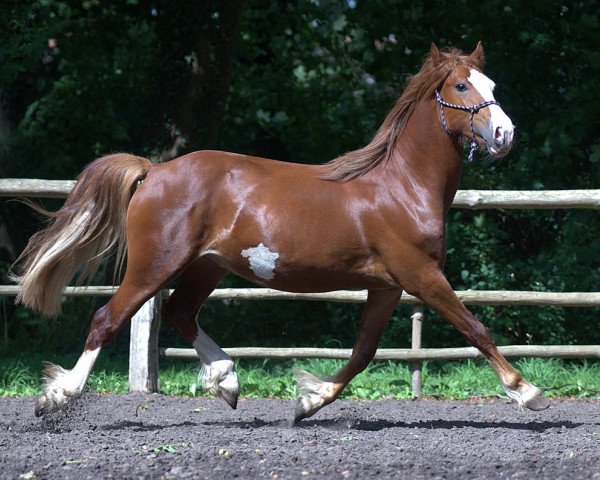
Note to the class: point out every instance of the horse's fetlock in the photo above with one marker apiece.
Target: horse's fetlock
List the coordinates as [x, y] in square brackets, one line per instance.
[314, 392]
[514, 381]
[219, 378]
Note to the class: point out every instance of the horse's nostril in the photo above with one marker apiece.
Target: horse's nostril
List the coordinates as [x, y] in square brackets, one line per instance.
[498, 133]
[499, 136]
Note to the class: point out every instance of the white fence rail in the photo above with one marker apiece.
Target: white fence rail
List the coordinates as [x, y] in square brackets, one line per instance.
[144, 342]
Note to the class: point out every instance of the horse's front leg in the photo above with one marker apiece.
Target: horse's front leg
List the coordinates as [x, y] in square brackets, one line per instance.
[431, 286]
[315, 393]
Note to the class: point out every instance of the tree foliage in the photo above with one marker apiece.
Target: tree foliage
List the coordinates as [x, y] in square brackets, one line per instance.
[307, 81]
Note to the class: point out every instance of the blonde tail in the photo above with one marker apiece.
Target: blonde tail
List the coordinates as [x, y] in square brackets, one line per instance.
[90, 223]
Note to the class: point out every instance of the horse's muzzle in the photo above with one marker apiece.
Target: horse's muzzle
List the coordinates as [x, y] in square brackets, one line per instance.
[501, 142]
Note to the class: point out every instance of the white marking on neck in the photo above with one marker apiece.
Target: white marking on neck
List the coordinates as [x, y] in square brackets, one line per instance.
[262, 261]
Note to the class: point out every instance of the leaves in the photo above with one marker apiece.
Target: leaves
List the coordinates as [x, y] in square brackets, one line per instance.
[315, 84]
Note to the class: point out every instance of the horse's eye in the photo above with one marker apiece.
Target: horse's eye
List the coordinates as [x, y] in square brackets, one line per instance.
[461, 87]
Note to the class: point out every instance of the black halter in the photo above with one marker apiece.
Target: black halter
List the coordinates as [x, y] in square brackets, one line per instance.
[473, 109]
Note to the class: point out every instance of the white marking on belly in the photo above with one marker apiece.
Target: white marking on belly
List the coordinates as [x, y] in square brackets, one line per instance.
[262, 261]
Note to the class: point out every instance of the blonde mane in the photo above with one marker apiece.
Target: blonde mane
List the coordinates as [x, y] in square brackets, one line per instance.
[432, 75]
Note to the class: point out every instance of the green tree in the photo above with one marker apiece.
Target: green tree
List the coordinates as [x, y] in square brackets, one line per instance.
[307, 81]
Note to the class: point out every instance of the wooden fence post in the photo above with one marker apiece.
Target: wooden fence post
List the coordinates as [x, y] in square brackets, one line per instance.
[417, 328]
[143, 347]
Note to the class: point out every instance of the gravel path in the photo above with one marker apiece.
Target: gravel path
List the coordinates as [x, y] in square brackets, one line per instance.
[156, 436]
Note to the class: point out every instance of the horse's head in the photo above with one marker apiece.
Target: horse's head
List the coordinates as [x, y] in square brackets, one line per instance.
[468, 107]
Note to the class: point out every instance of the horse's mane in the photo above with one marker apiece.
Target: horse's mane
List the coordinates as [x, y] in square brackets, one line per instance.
[432, 75]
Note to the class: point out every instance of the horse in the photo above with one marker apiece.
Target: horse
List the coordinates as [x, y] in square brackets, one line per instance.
[370, 219]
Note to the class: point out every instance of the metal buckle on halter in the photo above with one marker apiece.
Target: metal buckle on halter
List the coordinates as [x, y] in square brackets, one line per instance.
[473, 109]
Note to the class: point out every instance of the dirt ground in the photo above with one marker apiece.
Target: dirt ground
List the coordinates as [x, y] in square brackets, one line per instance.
[155, 436]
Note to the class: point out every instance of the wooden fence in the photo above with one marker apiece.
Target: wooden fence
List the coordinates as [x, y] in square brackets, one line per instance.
[144, 351]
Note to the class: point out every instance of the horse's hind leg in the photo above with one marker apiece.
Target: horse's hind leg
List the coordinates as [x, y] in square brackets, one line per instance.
[61, 385]
[316, 392]
[144, 277]
[218, 370]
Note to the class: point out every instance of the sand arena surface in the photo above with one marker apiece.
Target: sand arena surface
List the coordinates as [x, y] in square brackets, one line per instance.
[156, 436]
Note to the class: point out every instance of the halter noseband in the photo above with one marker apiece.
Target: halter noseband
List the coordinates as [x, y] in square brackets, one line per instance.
[473, 109]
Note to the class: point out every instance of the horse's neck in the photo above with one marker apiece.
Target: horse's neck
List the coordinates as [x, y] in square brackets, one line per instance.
[429, 156]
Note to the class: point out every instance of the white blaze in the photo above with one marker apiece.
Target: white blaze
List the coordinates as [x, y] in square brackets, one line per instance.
[262, 261]
[499, 119]
[482, 84]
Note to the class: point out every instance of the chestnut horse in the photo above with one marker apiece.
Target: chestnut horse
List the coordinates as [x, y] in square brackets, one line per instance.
[371, 219]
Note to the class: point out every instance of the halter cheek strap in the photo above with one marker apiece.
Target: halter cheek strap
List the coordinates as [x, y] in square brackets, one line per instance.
[473, 109]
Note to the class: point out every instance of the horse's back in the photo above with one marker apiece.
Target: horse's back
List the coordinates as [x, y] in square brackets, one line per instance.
[275, 223]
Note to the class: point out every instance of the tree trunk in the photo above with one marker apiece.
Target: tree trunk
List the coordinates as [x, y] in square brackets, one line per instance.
[198, 41]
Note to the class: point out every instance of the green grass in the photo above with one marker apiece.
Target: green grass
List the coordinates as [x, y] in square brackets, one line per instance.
[271, 378]
[17, 379]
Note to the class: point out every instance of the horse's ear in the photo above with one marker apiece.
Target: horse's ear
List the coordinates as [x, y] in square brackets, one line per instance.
[478, 55]
[436, 55]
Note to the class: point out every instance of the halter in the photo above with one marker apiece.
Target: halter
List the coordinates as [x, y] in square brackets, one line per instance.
[473, 109]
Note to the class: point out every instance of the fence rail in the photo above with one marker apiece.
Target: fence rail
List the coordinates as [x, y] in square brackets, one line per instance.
[471, 199]
[144, 352]
[468, 297]
[404, 354]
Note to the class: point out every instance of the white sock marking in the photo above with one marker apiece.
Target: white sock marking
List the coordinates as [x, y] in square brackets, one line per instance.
[218, 369]
[70, 383]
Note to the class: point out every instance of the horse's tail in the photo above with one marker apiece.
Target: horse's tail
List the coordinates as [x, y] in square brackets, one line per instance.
[90, 223]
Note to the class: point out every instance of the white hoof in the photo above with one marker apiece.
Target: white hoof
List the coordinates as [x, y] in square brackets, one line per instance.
[219, 378]
[61, 385]
[313, 394]
[532, 399]
[56, 394]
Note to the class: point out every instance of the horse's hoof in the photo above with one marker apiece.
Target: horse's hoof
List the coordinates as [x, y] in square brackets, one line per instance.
[313, 394]
[41, 406]
[220, 379]
[230, 397]
[536, 400]
[301, 411]
[229, 390]
[532, 399]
